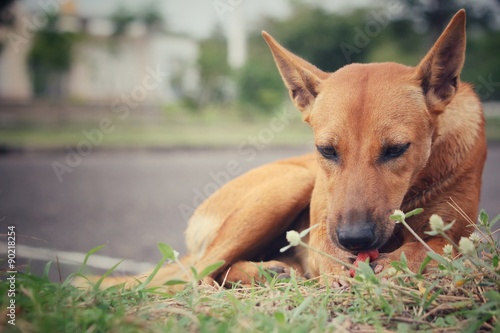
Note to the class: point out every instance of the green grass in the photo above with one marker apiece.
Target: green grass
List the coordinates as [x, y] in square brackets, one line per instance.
[180, 128]
[168, 135]
[177, 129]
[460, 295]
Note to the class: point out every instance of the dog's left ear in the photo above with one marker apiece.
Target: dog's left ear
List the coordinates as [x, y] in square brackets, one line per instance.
[439, 71]
[301, 78]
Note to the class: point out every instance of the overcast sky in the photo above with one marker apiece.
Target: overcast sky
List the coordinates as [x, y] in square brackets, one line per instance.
[197, 18]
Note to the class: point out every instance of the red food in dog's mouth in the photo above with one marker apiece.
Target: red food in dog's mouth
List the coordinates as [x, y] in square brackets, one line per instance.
[362, 256]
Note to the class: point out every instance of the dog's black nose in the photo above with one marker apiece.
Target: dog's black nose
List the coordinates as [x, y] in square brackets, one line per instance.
[357, 237]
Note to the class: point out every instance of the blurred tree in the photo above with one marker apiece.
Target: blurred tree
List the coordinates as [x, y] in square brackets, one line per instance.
[50, 58]
[434, 15]
[322, 38]
[398, 42]
[482, 65]
[6, 17]
[260, 86]
[121, 18]
[214, 71]
[150, 15]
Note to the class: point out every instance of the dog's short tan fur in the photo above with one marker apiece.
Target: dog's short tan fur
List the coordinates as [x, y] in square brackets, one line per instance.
[388, 136]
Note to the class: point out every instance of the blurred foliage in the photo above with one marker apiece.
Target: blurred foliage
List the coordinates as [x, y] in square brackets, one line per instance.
[331, 40]
[150, 15]
[433, 16]
[121, 18]
[6, 17]
[213, 71]
[258, 83]
[482, 64]
[256, 87]
[50, 57]
[321, 37]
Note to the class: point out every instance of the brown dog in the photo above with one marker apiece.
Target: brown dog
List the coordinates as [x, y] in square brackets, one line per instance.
[388, 137]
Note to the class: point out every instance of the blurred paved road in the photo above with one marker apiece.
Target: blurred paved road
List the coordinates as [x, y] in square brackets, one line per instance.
[131, 200]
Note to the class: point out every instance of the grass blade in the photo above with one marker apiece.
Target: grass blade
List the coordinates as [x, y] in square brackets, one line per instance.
[105, 275]
[302, 307]
[150, 276]
[426, 262]
[210, 269]
[46, 270]
[168, 252]
[416, 211]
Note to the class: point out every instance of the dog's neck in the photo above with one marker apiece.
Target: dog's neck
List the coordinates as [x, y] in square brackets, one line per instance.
[452, 151]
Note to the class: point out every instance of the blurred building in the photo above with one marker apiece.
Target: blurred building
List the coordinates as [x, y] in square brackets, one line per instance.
[103, 66]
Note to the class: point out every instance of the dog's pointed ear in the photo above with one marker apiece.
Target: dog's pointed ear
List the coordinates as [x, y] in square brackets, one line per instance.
[439, 71]
[301, 78]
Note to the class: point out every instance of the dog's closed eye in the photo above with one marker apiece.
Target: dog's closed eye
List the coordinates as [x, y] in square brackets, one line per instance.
[391, 152]
[328, 152]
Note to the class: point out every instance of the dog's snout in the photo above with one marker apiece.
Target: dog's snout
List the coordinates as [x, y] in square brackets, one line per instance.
[357, 237]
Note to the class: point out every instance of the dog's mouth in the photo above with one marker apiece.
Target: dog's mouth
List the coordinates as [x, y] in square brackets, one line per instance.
[369, 256]
[372, 255]
[364, 255]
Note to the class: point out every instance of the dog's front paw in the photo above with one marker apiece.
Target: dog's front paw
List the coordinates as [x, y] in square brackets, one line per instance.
[383, 262]
[278, 271]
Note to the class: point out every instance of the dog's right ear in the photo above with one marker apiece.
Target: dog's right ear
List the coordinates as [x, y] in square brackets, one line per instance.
[440, 69]
[301, 78]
